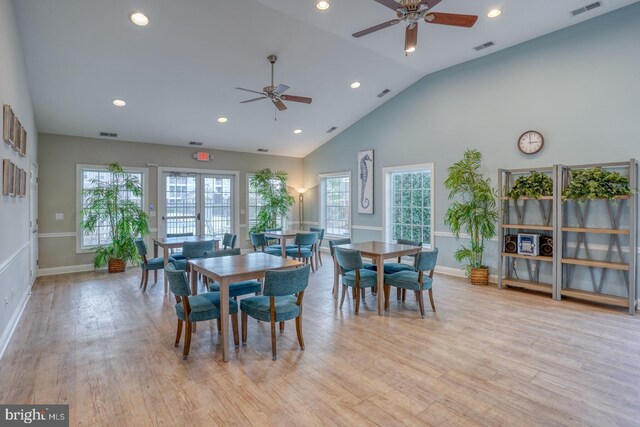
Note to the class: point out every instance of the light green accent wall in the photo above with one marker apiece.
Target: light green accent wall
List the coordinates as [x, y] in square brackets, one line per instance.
[578, 86]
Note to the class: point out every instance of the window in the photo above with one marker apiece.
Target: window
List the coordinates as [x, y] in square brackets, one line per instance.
[408, 201]
[335, 204]
[86, 175]
[254, 202]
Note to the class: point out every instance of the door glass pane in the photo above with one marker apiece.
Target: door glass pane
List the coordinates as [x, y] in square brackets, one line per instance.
[181, 205]
[217, 205]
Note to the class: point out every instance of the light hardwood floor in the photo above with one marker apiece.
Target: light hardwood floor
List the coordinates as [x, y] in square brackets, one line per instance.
[487, 357]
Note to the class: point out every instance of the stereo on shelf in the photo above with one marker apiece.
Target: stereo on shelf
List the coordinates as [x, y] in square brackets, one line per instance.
[546, 245]
[528, 244]
[511, 244]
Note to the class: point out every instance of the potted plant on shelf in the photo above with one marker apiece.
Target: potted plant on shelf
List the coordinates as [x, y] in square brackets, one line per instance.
[534, 186]
[596, 183]
[271, 187]
[473, 212]
[108, 204]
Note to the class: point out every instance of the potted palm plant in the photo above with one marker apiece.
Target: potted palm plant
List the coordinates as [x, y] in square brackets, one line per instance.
[271, 187]
[473, 212]
[108, 204]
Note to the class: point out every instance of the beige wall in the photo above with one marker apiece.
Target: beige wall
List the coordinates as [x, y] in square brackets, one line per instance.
[59, 155]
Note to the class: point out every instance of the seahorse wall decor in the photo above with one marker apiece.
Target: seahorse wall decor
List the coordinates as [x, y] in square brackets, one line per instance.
[365, 175]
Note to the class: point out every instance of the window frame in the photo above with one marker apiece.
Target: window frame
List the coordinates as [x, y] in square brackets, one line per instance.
[248, 225]
[322, 203]
[387, 197]
[80, 168]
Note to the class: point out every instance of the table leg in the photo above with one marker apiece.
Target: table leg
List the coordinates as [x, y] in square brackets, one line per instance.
[224, 317]
[166, 263]
[216, 245]
[336, 278]
[283, 243]
[380, 296]
[155, 255]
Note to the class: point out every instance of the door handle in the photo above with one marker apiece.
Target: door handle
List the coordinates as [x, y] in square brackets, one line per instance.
[198, 216]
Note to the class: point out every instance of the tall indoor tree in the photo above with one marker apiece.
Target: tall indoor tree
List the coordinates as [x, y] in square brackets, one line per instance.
[271, 187]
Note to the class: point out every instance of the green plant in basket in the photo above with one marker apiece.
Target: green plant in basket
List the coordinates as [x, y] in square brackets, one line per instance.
[596, 183]
[534, 185]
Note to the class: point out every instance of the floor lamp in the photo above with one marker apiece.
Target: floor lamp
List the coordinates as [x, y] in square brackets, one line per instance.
[301, 191]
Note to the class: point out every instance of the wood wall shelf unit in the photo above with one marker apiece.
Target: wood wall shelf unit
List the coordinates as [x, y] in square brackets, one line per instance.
[526, 215]
[612, 274]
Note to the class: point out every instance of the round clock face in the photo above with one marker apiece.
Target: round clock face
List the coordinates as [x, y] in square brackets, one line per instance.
[530, 142]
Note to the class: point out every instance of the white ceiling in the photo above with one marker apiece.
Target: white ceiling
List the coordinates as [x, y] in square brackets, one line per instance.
[178, 74]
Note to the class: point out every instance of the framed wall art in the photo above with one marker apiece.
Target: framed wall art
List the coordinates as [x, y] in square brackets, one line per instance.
[23, 142]
[365, 182]
[6, 176]
[7, 124]
[16, 131]
[23, 187]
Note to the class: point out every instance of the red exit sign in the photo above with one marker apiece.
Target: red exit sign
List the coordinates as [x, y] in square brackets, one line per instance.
[202, 156]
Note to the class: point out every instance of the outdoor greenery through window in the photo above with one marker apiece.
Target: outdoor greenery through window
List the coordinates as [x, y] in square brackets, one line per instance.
[102, 234]
[336, 205]
[254, 202]
[410, 198]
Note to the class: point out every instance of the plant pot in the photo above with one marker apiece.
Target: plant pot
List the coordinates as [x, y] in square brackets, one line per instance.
[479, 276]
[116, 265]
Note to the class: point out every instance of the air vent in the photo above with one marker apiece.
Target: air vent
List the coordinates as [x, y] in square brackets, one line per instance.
[109, 134]
[262, 150]
[484, 46]
[586, 8]
[383, 93]
[195, 143]
[331, 129]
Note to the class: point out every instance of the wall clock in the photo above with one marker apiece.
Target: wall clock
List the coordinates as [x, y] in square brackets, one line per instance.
[531, 142]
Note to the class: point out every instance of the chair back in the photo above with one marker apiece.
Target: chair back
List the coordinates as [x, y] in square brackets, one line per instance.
[141, 247]
[306, 239]
[222, 252]
[426, 261]
[320, 232]
[285, 282]
[409, 242]
[178, 282]
[229, 241]
[333, 243]
[349, 259]
[193, 250]
[258, 240]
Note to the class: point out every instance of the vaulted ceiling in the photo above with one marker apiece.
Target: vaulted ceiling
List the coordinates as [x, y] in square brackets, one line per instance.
[178, 74]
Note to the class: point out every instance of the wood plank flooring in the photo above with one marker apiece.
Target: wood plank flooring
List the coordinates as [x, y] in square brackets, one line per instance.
[487, 357]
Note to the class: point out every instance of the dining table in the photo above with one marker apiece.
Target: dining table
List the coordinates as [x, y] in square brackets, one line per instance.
[175, 242]
[377, 252]
[230, 269]
[284, 235]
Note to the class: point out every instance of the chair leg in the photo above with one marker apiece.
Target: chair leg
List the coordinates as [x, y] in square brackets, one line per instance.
[357, 298]
[187, 341]
[344, 292]
[421, 303]
[399, 294]
[299, 331]
[141, 278]
[313, 269]
[433, 306]
[146, 280]
[387, 292]
[273, 339]
[281, 327]
[404, 294]
[219, 325]
[179, 333]
[234, 326]
[245, 319]
[320, 257]
[155, 276]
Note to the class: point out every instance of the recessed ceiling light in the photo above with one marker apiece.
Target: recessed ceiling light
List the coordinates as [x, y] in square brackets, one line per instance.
[494, 13]
[222, 119]
[355, 85]
[118, 102]
[323, 5]
[297, 131]
[139, 18]
[411, 49]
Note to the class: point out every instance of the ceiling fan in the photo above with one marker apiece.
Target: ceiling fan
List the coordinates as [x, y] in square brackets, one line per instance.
[275, 93]
[412, 11]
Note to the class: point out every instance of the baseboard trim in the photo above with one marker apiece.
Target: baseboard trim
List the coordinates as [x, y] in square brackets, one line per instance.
[13, 323]
[52, 271]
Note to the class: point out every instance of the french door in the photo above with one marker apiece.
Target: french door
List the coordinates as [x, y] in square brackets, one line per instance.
[197, 204]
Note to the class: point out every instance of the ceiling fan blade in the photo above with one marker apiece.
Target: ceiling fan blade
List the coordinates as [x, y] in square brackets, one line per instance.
[281, 89]
[376, 28]
[279, 104]
[294, 98]
[411, 37]
[254, 99]
[430, 3]
[451, 19]
[391, 4]
[249, 90]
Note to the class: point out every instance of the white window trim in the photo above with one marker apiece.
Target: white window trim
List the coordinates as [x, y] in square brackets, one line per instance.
[79, 169]
[321, 218]
[246, 217]
[162, 203]
[386, 197]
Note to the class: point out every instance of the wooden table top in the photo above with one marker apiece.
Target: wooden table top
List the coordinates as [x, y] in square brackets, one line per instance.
[162, 241]
[381, 248]
[228, 266]
[287, 233]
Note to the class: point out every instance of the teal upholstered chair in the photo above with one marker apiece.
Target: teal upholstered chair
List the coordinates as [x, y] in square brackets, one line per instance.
[148, 264]
[193, 250]
[320, 232]
[354, 274]
[305, 248]
[196, 308]
[175, 253]
[244, 287]
[394, 267]
[229, 241]
[337, 273]
[281, 300]
[415, 280]
[260, 242]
